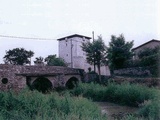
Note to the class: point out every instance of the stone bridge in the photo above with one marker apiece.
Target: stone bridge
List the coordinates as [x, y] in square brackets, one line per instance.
[42, 78]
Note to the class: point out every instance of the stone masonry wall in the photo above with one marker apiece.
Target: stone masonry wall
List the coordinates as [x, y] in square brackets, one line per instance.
[137, 71]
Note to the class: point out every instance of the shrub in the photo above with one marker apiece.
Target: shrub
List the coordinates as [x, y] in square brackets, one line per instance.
[89, 90]
[129, 94]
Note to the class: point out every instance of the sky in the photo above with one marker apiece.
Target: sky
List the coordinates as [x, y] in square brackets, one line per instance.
[137, 20]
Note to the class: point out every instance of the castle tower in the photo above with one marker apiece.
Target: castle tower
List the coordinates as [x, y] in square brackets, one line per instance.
[70, 50]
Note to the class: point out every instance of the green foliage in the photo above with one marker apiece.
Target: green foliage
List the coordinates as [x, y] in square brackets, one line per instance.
[126, 94]
[18, 56]
[119, 51]
[52, 60]
[133, 95]
[32, 105]
[149, 56]
[92, 91]
[148, 52]
[151, 110]
[96, 53]
[39, 61]
[133, 117]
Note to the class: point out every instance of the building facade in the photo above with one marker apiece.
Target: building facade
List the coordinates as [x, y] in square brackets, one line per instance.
[70, 50]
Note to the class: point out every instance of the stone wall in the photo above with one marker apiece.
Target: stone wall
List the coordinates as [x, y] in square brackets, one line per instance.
[137, 71]
[148, 81]
[11, 81]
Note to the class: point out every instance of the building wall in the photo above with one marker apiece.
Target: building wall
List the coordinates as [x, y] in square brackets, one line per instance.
[65, 50]
[78, 55]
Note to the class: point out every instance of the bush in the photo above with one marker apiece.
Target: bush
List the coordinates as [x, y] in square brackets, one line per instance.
[89, 90]
[127, 94]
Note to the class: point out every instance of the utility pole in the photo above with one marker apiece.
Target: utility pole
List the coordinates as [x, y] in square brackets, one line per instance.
[93, 35]
[94, 53]
[30, 61]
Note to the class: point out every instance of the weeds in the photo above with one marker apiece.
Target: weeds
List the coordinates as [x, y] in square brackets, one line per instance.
[70, 105]
[126, 94]
[29, 105]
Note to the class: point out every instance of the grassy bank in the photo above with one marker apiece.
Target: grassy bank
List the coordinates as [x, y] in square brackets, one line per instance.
[126, 94]
[147, 99]
[32, 105]
[74, 104]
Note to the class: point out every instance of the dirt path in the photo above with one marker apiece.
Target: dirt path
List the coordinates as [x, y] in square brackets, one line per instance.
[115, 111]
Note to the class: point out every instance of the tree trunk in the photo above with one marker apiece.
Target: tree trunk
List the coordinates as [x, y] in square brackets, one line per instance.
[99, 72]
[94, 67]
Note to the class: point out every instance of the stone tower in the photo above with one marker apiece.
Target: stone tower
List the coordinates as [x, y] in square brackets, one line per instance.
[70, 50]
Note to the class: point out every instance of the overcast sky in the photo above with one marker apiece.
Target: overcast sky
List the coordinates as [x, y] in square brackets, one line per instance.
[53, 19]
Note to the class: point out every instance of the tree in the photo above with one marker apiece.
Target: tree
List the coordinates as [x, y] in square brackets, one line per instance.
[39, 61]
[18, 56]
[149, 57]
[119, 51]
[52, 60]
[96, 53]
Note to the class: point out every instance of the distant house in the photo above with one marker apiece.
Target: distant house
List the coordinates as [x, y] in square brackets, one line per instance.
[70, 50]
[150, 44]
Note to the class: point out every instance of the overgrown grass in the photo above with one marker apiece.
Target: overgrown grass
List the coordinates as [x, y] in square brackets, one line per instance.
[126, 94]
[32, 105]
[147, 99]
[151, 109]
[70, 105]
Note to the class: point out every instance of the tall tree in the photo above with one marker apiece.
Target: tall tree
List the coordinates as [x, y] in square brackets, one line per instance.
[52, 60]
[96, 53]
[18, 56]
[119, 51]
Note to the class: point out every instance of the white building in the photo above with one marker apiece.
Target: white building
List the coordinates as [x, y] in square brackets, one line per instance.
[70, 50]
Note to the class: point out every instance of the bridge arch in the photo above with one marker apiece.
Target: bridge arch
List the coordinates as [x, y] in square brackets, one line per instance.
[42, 84]
[72, 82]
